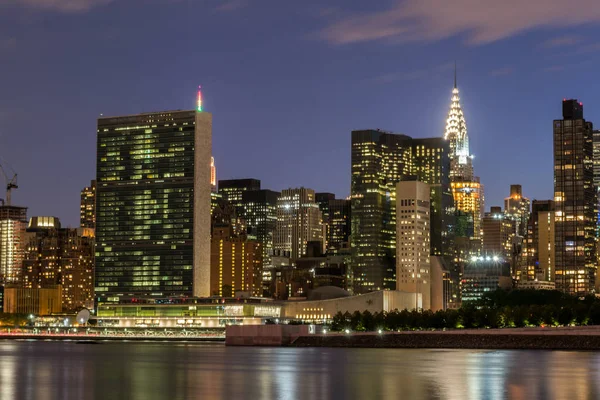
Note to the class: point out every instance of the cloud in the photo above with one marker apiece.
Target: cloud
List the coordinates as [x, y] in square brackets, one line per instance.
[502, 71]
[231, 5]
[58, 5]
[588, 48]
[483, 21]
[567, 40]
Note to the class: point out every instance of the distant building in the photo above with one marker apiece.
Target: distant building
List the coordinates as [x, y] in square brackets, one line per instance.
[498, 233]
[517, 208]
[298, 221]
[13, 222]
[336, 220]
[485, 274]
[235, 261]
[213, 175]
[469, 201]
[260, 213]
[87, 218]
[232, 190]
[60, 256]
[413, 240]
[153, 205]
[576, 201]
[541, 240]
[32, 301]
[536, 285]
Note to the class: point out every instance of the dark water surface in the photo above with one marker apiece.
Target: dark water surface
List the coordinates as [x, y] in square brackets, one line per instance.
[128, 370]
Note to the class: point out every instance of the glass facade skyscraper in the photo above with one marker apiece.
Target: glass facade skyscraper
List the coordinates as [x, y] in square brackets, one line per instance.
[153, 205]
[575, 200]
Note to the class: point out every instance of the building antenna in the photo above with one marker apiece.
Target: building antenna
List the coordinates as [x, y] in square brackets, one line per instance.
[454, 74]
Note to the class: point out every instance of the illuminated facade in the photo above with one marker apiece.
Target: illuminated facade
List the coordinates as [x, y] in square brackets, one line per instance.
[13, 222]
[541, 242]
[60, 256]
[336, 221]
[235, 263]
[413, 240]
[232, 191]
[485, 274]
[576, 202]
[260, 213]
[153, 205]
[469, 200]
[498, 234]
[379, 161]
[213, 175]
[517, 208]
[461, 163]
[298, 221]
[87, 213]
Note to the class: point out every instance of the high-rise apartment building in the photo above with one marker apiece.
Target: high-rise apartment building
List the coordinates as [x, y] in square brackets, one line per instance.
[336, 220]
[576, 202]
[153, 205]
[87, 212]
[517, 208]
[60, 256]
[298, 221]
[13, 222]
[235, 260]
[413, 240]
[541, 242]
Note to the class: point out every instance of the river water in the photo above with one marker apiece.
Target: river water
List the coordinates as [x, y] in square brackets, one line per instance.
[133, 370]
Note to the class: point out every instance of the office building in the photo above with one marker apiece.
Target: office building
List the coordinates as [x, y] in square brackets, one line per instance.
[236, 261]
[298, 221]
[468, 203]
[18, 300]
[517, 208]
[498, 233]
[232, 190]
[153, 205]
[260, 213]
[60, 256]
[336, 221]
[541, 242]
[485, 274]
[413, 240]
[13, 222]
[575, 200]
[87, 217]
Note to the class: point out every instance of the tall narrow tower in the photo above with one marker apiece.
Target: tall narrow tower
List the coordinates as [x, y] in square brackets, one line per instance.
[461, 166]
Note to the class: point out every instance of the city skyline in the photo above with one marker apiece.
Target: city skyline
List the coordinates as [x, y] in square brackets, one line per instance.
[264, 104]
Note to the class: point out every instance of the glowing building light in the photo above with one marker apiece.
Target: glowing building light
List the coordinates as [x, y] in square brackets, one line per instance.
[199, 108]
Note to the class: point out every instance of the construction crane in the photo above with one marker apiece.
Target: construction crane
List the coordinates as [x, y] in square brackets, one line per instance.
[11, 183]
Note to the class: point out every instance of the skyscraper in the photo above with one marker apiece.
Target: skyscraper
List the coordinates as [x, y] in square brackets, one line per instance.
[498, 232]
[413, 240]
[13, 222]
[87, 212]
[336, 220]
[213, 175]
[260, 213]
[379, 161]
[461, 163]
[541, 242]
[298, 221]
[468, 201]
[576, 203]
[60, 256]
[153, 204]
[517, 208]
[232, 189]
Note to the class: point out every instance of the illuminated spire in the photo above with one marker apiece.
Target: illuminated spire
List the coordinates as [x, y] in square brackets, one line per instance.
[199, 107]
[456, 133]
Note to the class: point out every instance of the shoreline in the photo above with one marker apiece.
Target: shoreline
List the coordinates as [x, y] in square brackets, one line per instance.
[569, 338]
[99, 339]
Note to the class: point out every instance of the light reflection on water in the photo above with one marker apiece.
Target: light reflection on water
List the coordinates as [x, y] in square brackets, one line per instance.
[126, 370]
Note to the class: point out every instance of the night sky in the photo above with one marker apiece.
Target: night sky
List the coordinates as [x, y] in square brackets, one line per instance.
[287, 81]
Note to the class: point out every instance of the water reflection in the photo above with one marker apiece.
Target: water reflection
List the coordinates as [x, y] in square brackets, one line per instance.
[66, 370]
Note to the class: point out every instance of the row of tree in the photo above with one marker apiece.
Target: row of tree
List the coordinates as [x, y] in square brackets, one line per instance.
[496, 310]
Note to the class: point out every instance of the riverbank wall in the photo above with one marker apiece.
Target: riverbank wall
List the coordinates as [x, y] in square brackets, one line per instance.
[506, 339]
